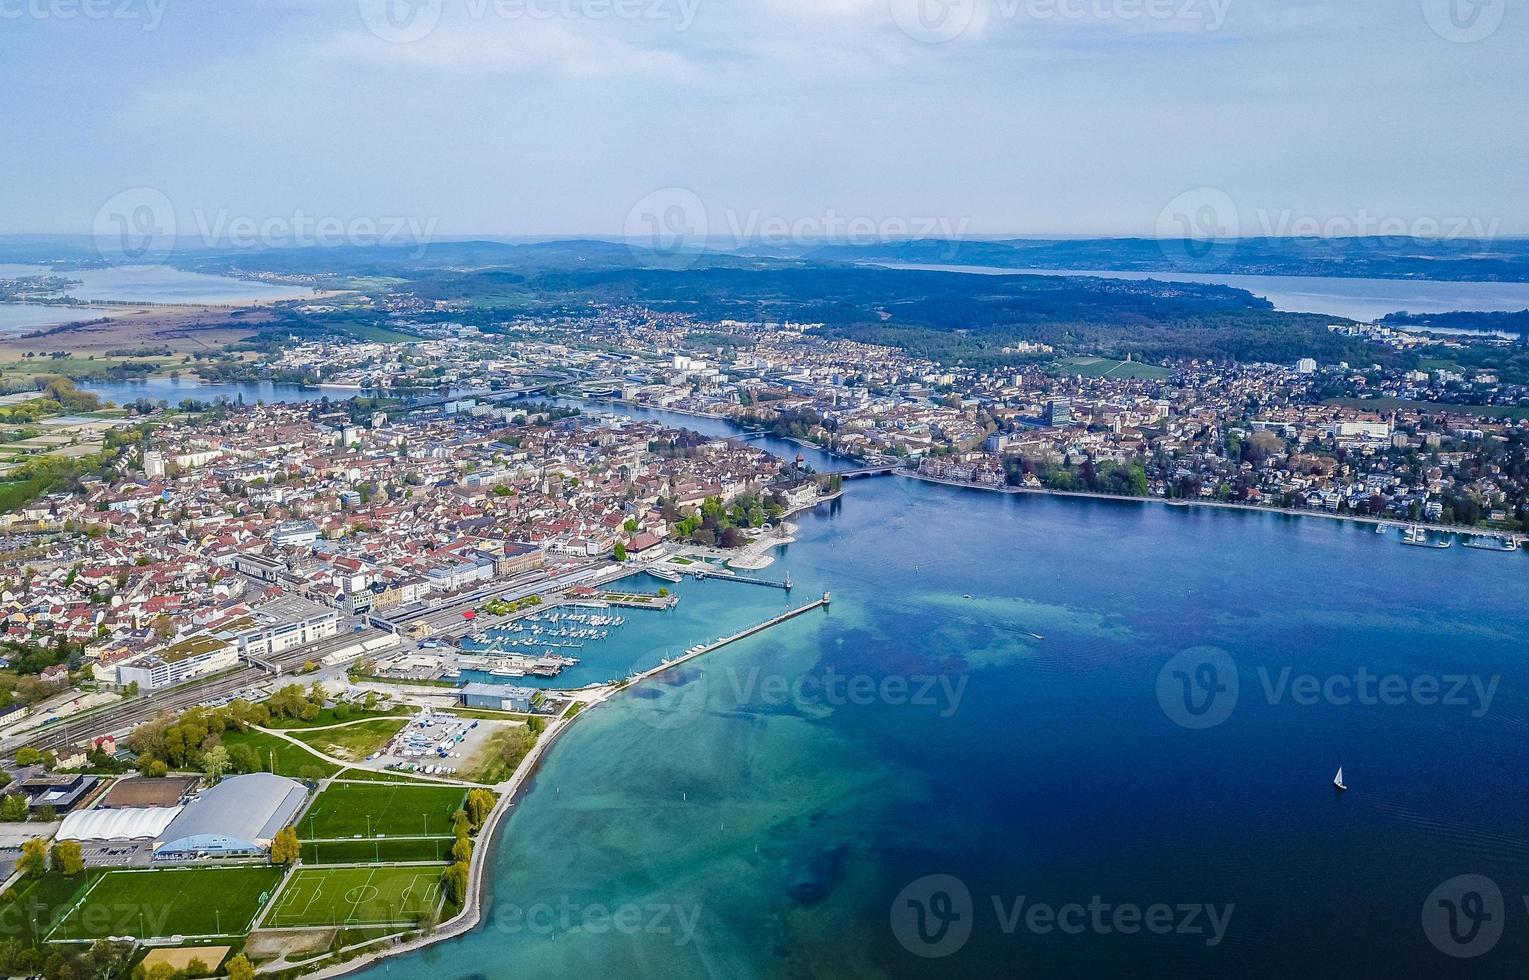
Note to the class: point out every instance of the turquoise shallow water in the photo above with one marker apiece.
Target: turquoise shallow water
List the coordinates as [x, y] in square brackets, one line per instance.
[766, 810]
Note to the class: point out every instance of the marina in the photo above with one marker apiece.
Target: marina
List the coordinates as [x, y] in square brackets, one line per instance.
[1418, 537]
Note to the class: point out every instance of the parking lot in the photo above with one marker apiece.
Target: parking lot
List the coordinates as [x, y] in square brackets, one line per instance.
[435, 742]
[117, 854]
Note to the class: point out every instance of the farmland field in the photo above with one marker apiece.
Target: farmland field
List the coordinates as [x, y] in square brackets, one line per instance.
[170, 902]
[396, 894]
[370, 809]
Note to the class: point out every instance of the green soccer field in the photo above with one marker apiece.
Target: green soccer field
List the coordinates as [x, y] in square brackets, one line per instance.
[364, 896]
[170, 902]
[369, 809]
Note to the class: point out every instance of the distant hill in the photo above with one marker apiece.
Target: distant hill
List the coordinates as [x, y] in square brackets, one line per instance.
[1376, 258]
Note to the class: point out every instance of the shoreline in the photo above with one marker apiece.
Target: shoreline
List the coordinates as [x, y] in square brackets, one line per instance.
[1216, 504]
[513, 789]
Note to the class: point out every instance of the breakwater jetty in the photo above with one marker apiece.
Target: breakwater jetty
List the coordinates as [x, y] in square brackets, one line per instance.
[704, 648]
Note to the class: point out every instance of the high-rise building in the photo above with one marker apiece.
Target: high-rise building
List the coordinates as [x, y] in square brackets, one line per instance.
[1058, 412]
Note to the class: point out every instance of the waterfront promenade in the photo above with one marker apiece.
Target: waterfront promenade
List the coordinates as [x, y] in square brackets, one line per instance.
[1219, 504]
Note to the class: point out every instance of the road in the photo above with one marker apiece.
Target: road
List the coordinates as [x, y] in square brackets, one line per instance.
[122, 718]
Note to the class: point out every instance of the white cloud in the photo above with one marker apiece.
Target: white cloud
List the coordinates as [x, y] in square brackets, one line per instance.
[491, 46]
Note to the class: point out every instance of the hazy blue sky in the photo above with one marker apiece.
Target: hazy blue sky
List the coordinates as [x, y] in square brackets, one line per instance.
[551, 117]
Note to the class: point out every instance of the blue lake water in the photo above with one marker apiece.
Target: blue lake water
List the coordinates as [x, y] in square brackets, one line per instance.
[1012, 730]
[1365, 300]
[173, 391]
[159, 284]
[23, 317]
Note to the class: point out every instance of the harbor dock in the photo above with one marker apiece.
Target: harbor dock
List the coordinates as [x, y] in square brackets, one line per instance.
[704, 573]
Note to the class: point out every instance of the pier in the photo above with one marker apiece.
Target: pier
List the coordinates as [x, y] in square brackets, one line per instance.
[705, 573]
[820, 602]
[639, 600]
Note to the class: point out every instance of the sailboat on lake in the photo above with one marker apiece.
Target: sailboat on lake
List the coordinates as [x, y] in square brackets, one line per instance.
[1338, 783]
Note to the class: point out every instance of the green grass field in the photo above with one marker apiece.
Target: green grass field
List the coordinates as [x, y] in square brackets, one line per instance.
[291, 760]
[39, 903]
[393, 849]
[352, 741]
[170, 902]
[369, 809]
[397, 894]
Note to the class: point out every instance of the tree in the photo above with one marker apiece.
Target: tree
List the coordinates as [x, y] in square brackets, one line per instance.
[480, 802]
[242, 758]
[28, 756]
[240, 968]
[67, 858]
[285, 848]
[455, 881]
[159, 971]
[215, 762]
[106, 957]
[620, 551]
[14, 808]
[156, 769]
[197, 968]
[462, 849]
[34, 858]
[460, 824]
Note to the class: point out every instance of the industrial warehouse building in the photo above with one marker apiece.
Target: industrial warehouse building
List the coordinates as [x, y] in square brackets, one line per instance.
[125, 824]
[236, 818]
[501, 697]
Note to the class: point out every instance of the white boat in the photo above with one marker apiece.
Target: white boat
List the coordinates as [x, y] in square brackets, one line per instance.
[1380, 529]
[1338, 780]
